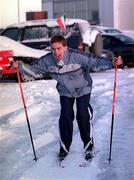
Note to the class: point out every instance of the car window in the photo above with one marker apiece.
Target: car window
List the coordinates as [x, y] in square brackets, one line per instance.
[69, 29]
[1, 30]
[114, 41]
[55, 31]
[125, 39]
[13, 33]
[108, 40]
[111, 31]
[38, 32]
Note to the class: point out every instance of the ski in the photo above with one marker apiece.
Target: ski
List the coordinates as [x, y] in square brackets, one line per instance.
[62, 164]
[61, 161]
[85, 163]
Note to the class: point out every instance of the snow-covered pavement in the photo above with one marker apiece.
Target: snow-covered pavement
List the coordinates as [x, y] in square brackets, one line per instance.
[42, 100]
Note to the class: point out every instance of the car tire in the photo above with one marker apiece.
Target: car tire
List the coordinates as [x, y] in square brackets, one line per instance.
[97, 46]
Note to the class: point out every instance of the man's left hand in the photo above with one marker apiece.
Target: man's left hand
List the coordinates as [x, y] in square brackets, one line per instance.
[117, 61]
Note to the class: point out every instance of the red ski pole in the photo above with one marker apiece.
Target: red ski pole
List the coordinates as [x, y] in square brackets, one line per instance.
[26, 114]
[113, 108]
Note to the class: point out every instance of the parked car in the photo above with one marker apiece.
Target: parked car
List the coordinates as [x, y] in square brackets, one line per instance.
[11, 50]
[37, 34]
[105, 29]
[5, 63]
[120, 44]
[1, 29]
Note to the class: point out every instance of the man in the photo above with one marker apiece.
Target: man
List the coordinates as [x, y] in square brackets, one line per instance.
[71, 70]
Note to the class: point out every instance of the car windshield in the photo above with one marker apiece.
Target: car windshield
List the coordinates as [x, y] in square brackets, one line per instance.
[36, 32]
[69, 29]
[112, 31]
[125, 39]
[13, 33]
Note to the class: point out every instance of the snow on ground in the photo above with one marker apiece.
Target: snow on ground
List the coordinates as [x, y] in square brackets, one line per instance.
[42, 100]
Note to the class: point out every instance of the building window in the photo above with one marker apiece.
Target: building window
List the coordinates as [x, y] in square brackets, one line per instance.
[83, 9]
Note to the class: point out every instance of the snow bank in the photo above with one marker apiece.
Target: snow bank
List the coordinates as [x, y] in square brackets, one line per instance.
[20, 49]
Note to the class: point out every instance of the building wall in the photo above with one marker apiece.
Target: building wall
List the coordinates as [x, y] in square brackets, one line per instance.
[84, 9]
[106, 12]
[13, 11]
[123, 14]
[117, 13]
[48, 6]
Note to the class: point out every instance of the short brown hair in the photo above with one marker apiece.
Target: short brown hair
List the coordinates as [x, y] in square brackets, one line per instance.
[60, 39]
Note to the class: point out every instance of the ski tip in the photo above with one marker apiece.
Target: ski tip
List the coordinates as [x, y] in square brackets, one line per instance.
[62, 164]
[83, 165]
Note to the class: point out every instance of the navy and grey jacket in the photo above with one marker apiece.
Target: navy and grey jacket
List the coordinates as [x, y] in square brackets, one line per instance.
[73, 77]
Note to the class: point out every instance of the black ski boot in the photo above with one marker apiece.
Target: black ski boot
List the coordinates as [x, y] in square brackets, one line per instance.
[88, 155]
[89, 152]
[62, 154]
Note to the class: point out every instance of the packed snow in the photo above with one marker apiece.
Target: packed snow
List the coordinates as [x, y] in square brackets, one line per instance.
[42, 101]
[20, 49]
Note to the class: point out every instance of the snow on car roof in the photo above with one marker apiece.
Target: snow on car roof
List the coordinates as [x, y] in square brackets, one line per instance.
[48, 22]
[84, 27]
[20, 49]
[106, 29]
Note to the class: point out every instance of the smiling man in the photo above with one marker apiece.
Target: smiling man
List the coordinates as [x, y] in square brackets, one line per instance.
[71, 69]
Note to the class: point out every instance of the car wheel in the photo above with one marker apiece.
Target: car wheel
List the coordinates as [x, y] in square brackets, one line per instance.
[97, 46]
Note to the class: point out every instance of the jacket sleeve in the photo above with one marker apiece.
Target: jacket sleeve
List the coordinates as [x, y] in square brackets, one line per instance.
[36, 70]
[101, 64]
[93, 63]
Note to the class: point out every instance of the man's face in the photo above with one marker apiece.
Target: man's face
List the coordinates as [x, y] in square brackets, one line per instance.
[58, 50]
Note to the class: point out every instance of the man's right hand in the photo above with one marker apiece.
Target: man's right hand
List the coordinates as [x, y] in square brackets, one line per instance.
[15, 64]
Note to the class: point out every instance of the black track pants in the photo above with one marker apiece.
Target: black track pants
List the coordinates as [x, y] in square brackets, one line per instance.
[83, 116]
